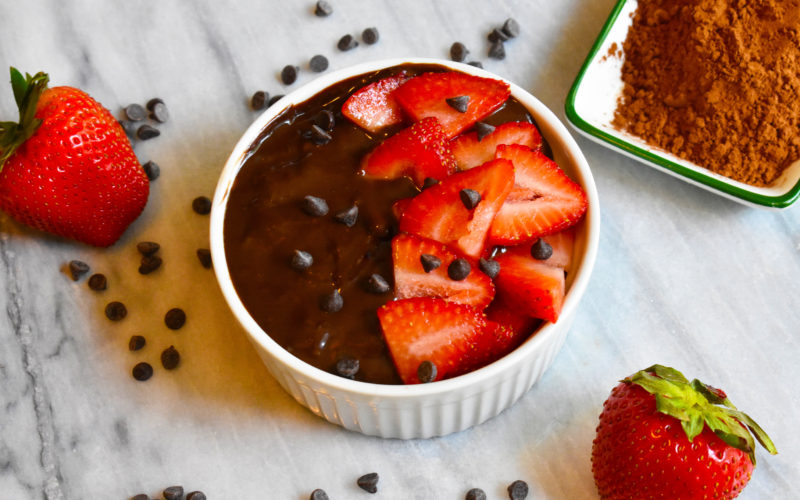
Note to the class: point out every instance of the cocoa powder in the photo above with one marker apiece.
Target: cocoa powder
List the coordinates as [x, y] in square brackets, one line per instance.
[716, 82]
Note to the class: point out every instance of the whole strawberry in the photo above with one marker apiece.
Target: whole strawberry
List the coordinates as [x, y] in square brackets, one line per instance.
[661, 436]
[67, 167]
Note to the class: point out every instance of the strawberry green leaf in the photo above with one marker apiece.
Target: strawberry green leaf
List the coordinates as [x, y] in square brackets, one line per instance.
[757, 431]
[27, 91]
[713, 395]
[19, 85]
[694, 425]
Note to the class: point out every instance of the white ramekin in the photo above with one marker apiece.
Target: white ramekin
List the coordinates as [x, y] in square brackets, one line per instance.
[425, 410]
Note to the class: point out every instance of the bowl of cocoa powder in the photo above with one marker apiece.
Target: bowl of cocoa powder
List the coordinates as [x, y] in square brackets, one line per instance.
[705, 90]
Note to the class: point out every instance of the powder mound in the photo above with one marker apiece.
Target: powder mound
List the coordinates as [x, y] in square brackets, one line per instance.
[716, 82]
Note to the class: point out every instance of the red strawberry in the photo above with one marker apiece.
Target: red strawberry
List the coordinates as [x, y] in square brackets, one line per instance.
[411, 280]
[418, 152]
[544, 200]
[374, 107]
[561, 243]
[454, 337]
[517, 326]
[471, 152]
[427, 94]
[438, 212]
[690, 443]
[68, 168]
[530, 286]
[399, 206]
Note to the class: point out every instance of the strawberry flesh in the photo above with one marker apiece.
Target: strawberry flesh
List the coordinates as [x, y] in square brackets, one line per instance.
[469, 152]
[562, 244]
[531, 287]
[373, 107]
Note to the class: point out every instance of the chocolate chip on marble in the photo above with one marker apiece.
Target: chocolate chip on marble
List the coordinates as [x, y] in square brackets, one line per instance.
[477, 64]
[370, 36]
[497, 35]
[470, 198]
[347, 367]
[151, 170]
[510, 28]
[275, 99]
[459, 269]
[175, 318]
[98, 282]
[426, 372]
[259, 100]
[135, 112]
[458, 52]
[140, 496]
[497, 50]
[319, 136]
[347, 217]
[142, 371]
[196, 495]
[476, 494]
[129, 127]
[518, 490]
[318, 494]
[347, 42]
[173, 493]
[289, 74]
[325, 120]
[204, 256]
[116, 311]
[459, 103]
[483, 129]
[368, 482]
[136, 342]
[77, 268]
[331, 302]
[170, 358]
[160, 113]
[147, 247]
[146, 132]
[315, 206]
[429, 182]
[323, 9]
[429, 262]
[201, 205]
[318, 63]
[301, 260]
[541, 250]
[377, 284]
[490, 267]
[149, 264]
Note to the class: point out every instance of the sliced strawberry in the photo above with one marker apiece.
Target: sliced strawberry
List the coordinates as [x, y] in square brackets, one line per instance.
[519, 325]
[439, 214]
[418, 152]
[503, 338]
[374, 107]
[470, 152]
[454, 337]
[529, 286]
[411, 280]
[544, 200]
[561, 243]
[399, 206]
[427, 94]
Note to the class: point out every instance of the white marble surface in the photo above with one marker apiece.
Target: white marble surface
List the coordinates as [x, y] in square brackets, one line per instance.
[683, 277]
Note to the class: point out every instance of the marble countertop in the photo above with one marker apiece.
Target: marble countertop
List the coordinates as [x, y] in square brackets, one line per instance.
[683, 277]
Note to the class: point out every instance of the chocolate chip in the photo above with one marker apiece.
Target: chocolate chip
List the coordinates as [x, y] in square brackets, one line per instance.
[151, 170]
[77, 268]
[476, 494]
[135, 112]
[147, 247]
[347, 217]
[259, 100]
[426, 372]
[458, 52]
[347, 367]
[175, 318]
[275, 99]
[149, 264]
[318, 63]
[459, 103]
[136, 342]
[325, 120]
[151, 104]
[146, 132]
[511, 28]
[347, 42]
[331, 302]
[160, 113]
[483, 129]
[116, 311]
[98, 282]
[204, 256]
[497, 35]
[377, 284]
[173, 493]
[497, 50]
[301, 260]
[129, 127]
[140, 496]
[541, 250]
[323, 9]
[429, 182]
[518, 490]
[289, 74]
[315, 206]
[490, 267]
[370, 36]
[142, 371]
[170, 358]
[459, 269]
[318, 494]
[470, 198]
[429, 262]
[368, 482]
[477, 64]
[319, 136]
[201, 205]
[196, 495]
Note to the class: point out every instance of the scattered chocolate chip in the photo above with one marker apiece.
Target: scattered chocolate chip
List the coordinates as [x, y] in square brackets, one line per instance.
[175, 318]
[470, 198]
[151, 170]
[426, 372]
[315, 206]
[368, 482]
[476, 494]
[301, 260]
[136, 342]
[511, 28]
[140, 496]
[77, 268]
[173, 493]
[325, 120]
[116, 311]
[429, 262]
[347, 42]
[483, 129]
[201, 205]
[518, 490]
[477, 64]
[135, 112]
[142, 371]
[497, 35]
[458, 52]
[98, 282]
[275, 99]
[129, 127]
[331, 302]
[318, 63]
[459, 269]
[347, 367]
[259, 100]
[318, 494]
[490, 267]
[497, 50]
[541, 250]
[151, 104]
[160, 113]
[370, 36]
[146, 132]
[319, 136]
[147, 247]
[170, 358]
[429, 182]
[149, 264]
[459, 103]
[204, 256]
[377, 284]
[196, 495]
[289, 74]
[347, 217]
[323, 9]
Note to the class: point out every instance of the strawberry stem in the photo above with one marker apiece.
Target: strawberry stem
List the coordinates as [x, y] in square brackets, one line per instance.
[27, 90]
